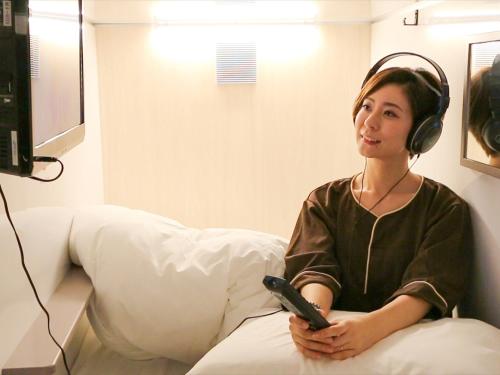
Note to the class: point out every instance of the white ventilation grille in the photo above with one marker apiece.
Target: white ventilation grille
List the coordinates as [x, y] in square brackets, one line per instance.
[35, 56]
[236, 63]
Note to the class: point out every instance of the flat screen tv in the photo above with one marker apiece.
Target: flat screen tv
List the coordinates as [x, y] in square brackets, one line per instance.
[41, 82]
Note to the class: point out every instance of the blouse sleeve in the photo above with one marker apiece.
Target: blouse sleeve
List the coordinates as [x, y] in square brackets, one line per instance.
[310, 256]
[437, 274]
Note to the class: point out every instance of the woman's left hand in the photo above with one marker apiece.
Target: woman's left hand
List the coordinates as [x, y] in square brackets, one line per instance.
[350, 336]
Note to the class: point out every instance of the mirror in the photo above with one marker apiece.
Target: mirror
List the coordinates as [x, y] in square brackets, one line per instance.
[481, 113]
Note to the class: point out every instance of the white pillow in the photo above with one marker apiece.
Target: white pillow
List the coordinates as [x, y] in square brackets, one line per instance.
[446, 346]
[165, 290]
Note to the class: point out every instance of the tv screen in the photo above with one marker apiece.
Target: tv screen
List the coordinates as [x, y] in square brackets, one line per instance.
[41, 81]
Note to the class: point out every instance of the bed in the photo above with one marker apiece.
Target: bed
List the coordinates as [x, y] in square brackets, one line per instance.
[146, 295]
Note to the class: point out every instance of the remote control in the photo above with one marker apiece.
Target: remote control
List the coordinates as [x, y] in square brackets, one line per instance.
[294, 302]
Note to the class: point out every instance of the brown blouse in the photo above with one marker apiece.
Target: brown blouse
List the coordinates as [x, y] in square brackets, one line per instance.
[421, 249]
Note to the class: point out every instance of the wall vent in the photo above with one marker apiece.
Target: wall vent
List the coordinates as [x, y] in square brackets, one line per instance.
[236, 63]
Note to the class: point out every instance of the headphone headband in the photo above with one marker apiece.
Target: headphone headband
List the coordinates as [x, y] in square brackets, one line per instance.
[444, 99]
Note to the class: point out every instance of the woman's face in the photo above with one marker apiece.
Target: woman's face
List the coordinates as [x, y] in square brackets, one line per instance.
[383, 123]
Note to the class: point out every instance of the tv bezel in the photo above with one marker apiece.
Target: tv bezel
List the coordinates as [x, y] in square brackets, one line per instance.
[59, 144]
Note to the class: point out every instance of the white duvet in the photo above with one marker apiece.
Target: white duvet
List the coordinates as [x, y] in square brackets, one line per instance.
[165, 290]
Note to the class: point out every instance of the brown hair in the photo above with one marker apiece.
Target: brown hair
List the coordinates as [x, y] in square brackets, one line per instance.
[424, 102]
[479, 108]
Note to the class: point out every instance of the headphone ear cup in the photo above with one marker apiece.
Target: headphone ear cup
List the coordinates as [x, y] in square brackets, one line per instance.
[425, 135]
[491, 134]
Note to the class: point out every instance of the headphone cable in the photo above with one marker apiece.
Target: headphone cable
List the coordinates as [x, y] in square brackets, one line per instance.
[386, 194]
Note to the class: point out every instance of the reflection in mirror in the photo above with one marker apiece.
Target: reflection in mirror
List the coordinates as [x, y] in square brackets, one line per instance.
[484, 114]
[481, 115]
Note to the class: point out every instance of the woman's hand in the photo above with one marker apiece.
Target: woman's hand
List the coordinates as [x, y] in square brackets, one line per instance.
[302, 337]
[343, 339]
[349, 337]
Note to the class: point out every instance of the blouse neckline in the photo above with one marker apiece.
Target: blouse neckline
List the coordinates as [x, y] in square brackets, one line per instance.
[422, 178]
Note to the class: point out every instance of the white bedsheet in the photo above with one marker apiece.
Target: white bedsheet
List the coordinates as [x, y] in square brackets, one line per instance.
[96, 359]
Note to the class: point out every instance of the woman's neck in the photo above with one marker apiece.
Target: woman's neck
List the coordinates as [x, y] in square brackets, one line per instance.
[380, 176]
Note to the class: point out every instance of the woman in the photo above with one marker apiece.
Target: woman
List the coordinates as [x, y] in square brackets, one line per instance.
[386, 241]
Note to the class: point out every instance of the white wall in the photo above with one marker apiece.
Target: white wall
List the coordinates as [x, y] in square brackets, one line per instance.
[446, 44]
[81, 184]
[178, 144]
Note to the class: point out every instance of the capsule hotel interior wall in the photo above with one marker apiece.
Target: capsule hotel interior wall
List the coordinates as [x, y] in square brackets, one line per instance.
[243, 155]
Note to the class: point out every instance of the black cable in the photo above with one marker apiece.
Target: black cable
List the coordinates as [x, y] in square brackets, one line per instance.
[48, 159]
[388, 192]
[31, 281]
[252, 317]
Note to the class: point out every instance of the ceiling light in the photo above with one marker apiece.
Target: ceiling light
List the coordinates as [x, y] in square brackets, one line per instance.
[236, 11]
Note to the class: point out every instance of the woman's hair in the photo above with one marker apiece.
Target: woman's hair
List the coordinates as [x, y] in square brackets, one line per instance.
[479, 107]
[424, 102]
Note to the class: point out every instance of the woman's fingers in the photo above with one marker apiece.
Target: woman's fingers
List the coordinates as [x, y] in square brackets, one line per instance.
[301, 327]
[340, 342]
[313, 345]
[343, 339]
[306, 334]
[335, 330]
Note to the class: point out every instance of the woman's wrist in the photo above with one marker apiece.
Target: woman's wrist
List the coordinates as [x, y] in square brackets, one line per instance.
[398, 314]
[319, 295]
[379, 321]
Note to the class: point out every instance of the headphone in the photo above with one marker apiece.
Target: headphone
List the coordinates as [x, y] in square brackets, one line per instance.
[491, 130]
[425, 134]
